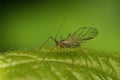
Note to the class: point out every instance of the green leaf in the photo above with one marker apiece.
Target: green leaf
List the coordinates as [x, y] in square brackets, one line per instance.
[65, 64]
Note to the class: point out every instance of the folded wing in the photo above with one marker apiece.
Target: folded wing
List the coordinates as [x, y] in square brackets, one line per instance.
[83, 34]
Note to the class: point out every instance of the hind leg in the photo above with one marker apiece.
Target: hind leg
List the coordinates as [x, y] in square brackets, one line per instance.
[84, 54]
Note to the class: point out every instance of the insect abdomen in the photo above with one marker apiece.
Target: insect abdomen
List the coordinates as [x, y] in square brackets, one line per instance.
[72, 45]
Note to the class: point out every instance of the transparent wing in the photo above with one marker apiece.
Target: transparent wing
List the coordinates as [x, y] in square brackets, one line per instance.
[83, 34]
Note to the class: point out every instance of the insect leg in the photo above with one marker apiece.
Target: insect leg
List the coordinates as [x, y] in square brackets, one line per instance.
[84, 54]
[44, 43]
[71, 54]
[45, 56]
[72, 59]
[50, 37]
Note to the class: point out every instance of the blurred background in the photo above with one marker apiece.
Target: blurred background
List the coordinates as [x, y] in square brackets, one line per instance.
[28, 23]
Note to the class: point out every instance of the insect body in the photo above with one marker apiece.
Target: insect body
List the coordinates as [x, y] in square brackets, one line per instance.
[74, 40]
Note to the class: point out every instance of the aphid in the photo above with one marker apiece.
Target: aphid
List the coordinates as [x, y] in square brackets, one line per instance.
[74, 40]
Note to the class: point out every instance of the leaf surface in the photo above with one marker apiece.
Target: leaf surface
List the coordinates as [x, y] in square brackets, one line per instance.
[59, 65]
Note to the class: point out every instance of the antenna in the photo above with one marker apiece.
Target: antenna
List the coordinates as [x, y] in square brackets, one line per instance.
[60, 27]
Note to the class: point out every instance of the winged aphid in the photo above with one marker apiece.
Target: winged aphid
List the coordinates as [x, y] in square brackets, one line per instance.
[74, 40]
